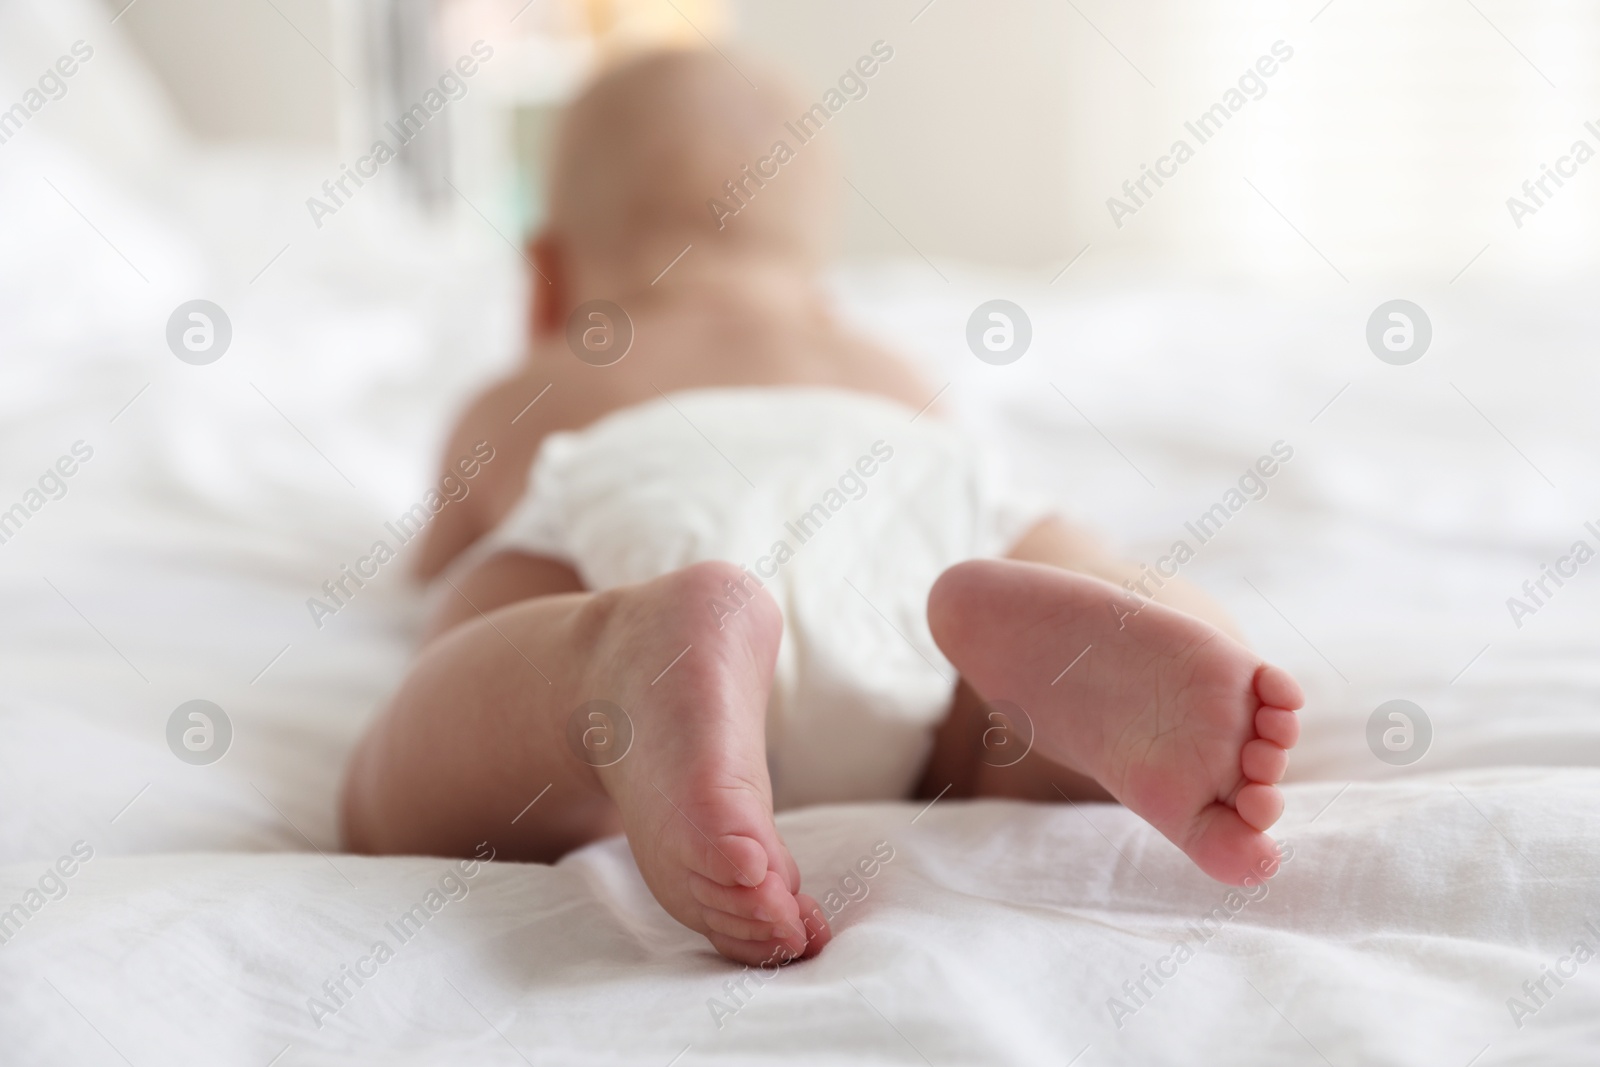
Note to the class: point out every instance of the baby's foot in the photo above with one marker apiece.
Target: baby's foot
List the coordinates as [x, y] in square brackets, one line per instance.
[1182, 724]
[693, 790]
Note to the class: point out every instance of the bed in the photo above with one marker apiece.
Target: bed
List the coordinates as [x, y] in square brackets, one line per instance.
[1437, 910]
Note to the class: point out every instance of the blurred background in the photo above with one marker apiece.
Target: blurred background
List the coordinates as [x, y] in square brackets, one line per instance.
[1368, 153]
[163, 156]
[1391, 140]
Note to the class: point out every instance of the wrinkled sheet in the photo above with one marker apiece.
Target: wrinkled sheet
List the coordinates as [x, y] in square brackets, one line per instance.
[218, 499]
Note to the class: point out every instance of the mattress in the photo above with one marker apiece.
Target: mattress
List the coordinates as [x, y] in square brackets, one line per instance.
[160, 906]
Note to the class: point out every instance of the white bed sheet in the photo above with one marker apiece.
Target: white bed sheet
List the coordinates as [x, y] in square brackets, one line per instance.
[996, 934]
[219, 498]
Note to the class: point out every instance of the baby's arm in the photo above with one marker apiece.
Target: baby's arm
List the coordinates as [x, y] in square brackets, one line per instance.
[499, 483]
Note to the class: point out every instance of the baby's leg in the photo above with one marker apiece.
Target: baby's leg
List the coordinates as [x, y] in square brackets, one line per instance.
[1157, 706]
[979, 752]
[1058, 544]
[484, 725]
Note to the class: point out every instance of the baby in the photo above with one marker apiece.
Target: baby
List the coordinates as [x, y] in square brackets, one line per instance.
[727, 561]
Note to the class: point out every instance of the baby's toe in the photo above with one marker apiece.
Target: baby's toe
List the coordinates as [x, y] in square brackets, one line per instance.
[769, 902]
[737, 926]
[1263, 761]
[781, 861]
[1279, 726]
[1259, 805]
[1277, 688]
[788, 941]
[818, 932]
[731, 859]
[1228, 846]
[775, 951]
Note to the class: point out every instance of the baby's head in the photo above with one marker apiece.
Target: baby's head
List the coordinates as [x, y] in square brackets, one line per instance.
[644, 157]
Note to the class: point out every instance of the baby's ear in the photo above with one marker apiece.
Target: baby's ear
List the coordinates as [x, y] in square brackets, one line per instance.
[549, 283]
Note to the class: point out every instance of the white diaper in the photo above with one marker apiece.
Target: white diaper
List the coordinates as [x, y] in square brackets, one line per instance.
[840, 505]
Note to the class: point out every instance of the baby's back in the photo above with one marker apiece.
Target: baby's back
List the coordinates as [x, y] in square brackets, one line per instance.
[706, 341]
[710, 342]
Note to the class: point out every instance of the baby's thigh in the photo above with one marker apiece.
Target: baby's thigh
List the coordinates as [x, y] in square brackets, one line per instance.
[503, 578]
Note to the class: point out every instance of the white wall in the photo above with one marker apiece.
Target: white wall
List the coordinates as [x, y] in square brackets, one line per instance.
[1391, 140]
[962, 141]
[238, 69]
